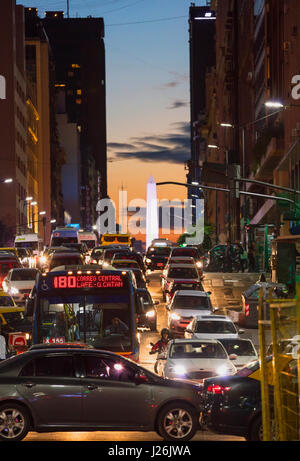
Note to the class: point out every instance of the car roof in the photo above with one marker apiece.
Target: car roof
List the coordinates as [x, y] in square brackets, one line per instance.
[66, 254]
[184, 266]
[213, 317]
[191, 293]
[183, 340]
[125, 261]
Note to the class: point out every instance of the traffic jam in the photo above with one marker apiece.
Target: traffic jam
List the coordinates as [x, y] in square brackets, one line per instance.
[76, 318]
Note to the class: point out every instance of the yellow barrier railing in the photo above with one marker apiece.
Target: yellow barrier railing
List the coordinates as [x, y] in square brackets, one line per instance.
[280, 389]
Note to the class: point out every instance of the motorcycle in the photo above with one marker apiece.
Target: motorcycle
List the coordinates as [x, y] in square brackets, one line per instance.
[160, 359]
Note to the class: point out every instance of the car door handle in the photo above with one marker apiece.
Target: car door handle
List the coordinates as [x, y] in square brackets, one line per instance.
[29, 385]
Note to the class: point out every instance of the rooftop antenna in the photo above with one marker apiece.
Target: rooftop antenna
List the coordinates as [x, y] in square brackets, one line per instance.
[68, 8]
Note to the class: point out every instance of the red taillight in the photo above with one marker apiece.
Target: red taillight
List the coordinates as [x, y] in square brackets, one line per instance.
[217, 389]
[247, 310]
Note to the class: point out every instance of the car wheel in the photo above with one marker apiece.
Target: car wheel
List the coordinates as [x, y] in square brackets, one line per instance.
[14, 422]
[177, 422]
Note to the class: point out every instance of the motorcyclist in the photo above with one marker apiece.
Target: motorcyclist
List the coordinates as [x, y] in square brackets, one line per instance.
[162, 343]
[160, 347]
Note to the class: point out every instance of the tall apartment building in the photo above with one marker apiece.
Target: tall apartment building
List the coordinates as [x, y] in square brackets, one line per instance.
[78, 50]
[38, 135]
[13, 121]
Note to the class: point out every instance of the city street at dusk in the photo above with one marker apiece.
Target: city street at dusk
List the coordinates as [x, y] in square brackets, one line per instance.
[149, 224]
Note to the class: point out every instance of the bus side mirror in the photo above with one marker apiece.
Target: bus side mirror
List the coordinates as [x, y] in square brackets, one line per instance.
[139, 305]
[29, 307]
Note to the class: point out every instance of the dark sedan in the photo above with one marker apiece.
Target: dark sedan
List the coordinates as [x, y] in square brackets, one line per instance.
[80, 389]
[232, 404]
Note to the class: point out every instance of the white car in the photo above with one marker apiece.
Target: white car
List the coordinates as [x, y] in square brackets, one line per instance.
[211, 327]
[194, 359]
[19, 283]
[243, 350]
[179, 272]
[185, 305]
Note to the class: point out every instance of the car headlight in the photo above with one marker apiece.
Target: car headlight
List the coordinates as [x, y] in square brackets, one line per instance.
[43, 259]
[175, 316]
[179, 370]
[223, 370]
[150, 314]
[148, 260]
[14, 291]
[105, 264]
[5, 287]
[199, 264]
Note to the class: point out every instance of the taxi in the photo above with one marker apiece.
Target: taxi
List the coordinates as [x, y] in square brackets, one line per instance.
[12, 318]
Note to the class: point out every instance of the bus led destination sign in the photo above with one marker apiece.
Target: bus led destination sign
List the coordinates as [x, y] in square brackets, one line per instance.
[87, 281]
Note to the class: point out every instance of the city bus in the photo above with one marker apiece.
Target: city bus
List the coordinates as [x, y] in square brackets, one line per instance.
[116, 239]
[80, 304]
[89, 238]
[62, 235]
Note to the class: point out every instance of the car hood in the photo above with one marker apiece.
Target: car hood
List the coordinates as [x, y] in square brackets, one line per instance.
[200, 364]
[243, 360]
[189, 312]
[214, 336]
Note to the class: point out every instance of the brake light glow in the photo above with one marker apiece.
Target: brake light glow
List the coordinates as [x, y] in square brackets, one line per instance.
[217, 389]
[247, 310]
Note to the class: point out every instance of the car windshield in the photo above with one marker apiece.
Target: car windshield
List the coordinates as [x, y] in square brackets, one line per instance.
[182, 273]
[6, 266]
[65, 261]
[164, 251]
[214, 327]
[238, 347]
[186, 286]
[6, 301]
[185, 252]
[197, 350]
[191, 302]
[124, 264]
[24, 275]
[58, 241]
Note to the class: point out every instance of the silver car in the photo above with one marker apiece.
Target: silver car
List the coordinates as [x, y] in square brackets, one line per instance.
[50, 389]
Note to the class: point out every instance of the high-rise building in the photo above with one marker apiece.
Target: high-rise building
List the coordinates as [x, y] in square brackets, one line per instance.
[13, 121]
[38, 115]
[202, 56]
[78, 50]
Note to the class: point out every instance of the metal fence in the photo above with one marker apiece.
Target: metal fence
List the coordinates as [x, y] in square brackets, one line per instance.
[279, 320]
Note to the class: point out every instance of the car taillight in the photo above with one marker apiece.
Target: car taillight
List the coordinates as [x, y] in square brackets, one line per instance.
[217, 389]
[247, 310]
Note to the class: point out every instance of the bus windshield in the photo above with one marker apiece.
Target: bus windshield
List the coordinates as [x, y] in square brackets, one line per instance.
[103, 321]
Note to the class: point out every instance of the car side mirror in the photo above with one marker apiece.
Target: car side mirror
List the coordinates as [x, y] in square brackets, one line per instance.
[168, 307]
[156, 303]
[215, 309]
[232, 357]
[140, 378]
[241, 332]
[208, 292]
